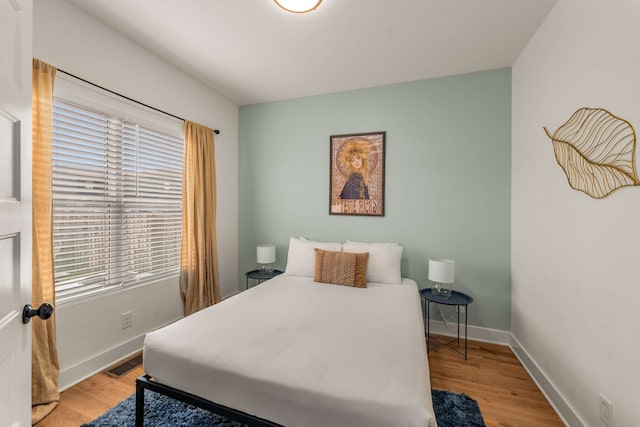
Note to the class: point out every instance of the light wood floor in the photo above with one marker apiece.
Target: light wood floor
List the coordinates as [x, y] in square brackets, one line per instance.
[495, 378]
[492, 375]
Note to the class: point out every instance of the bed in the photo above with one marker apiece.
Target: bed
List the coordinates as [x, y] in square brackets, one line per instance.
[295, 352]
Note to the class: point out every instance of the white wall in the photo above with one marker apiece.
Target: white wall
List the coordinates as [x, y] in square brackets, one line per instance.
[89, 333]
[575, 276]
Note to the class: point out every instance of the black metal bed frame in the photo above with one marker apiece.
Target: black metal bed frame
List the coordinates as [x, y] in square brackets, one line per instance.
[146, 382]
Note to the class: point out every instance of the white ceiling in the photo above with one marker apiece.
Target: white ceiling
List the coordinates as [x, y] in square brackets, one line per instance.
[251, 51]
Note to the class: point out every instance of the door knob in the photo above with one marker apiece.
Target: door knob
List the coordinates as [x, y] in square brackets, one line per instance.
[44, 312]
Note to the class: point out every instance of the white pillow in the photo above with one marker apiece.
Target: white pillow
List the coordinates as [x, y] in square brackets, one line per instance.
[363, 243]
[384, 261]
[301, 259]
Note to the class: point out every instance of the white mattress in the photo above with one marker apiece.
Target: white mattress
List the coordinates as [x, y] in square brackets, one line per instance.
[301, 353]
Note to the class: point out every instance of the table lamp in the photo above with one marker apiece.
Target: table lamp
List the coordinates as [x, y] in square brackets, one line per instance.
[266, 255]
[442, 273]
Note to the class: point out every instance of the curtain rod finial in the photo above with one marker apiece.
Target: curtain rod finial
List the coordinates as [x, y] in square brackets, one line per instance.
[216, 131]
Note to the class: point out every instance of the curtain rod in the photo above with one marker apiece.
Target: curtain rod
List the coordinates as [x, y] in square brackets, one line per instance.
[216, 131]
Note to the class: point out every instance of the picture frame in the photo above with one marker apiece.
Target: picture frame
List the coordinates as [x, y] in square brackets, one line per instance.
[356, 178]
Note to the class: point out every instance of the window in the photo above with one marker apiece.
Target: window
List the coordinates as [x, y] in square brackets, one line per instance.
[117, 201]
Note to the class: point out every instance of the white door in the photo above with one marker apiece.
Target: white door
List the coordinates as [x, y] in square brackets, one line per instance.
[15, 210]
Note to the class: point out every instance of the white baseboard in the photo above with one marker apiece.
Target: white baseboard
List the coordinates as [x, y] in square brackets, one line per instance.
[87, 368]
[81, 371]
[548, 389]
[476, 333]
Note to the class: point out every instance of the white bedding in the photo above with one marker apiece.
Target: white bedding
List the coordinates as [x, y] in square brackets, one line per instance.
[301, 353]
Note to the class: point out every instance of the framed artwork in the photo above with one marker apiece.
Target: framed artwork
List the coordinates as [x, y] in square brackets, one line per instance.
[356, 183]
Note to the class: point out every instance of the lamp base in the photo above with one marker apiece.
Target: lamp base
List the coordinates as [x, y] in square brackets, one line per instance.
[266, 269]
[441, 290]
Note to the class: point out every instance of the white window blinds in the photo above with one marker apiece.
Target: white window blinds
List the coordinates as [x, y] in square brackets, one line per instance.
[117, 202]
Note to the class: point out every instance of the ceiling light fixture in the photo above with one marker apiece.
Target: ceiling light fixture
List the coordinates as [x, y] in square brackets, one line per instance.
[298, 6]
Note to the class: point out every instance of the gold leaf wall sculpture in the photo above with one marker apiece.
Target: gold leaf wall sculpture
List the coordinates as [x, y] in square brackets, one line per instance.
[596, 150]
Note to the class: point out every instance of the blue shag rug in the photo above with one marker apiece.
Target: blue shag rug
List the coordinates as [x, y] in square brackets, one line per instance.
[452, 410]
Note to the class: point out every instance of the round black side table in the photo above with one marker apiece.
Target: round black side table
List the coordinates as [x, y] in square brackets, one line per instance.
[260, 276]
[458, 299]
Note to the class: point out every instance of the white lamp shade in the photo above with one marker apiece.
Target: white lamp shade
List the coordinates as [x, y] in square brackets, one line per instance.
[266, 254]
[442, 270]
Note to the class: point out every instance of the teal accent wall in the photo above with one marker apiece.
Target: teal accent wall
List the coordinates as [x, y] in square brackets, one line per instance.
[448, 168]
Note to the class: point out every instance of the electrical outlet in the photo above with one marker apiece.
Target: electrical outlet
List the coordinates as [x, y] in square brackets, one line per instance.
[606, 411]
[126, 319]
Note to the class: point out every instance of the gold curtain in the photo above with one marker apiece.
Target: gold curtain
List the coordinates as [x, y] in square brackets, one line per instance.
[44, 365]
[199, 259]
